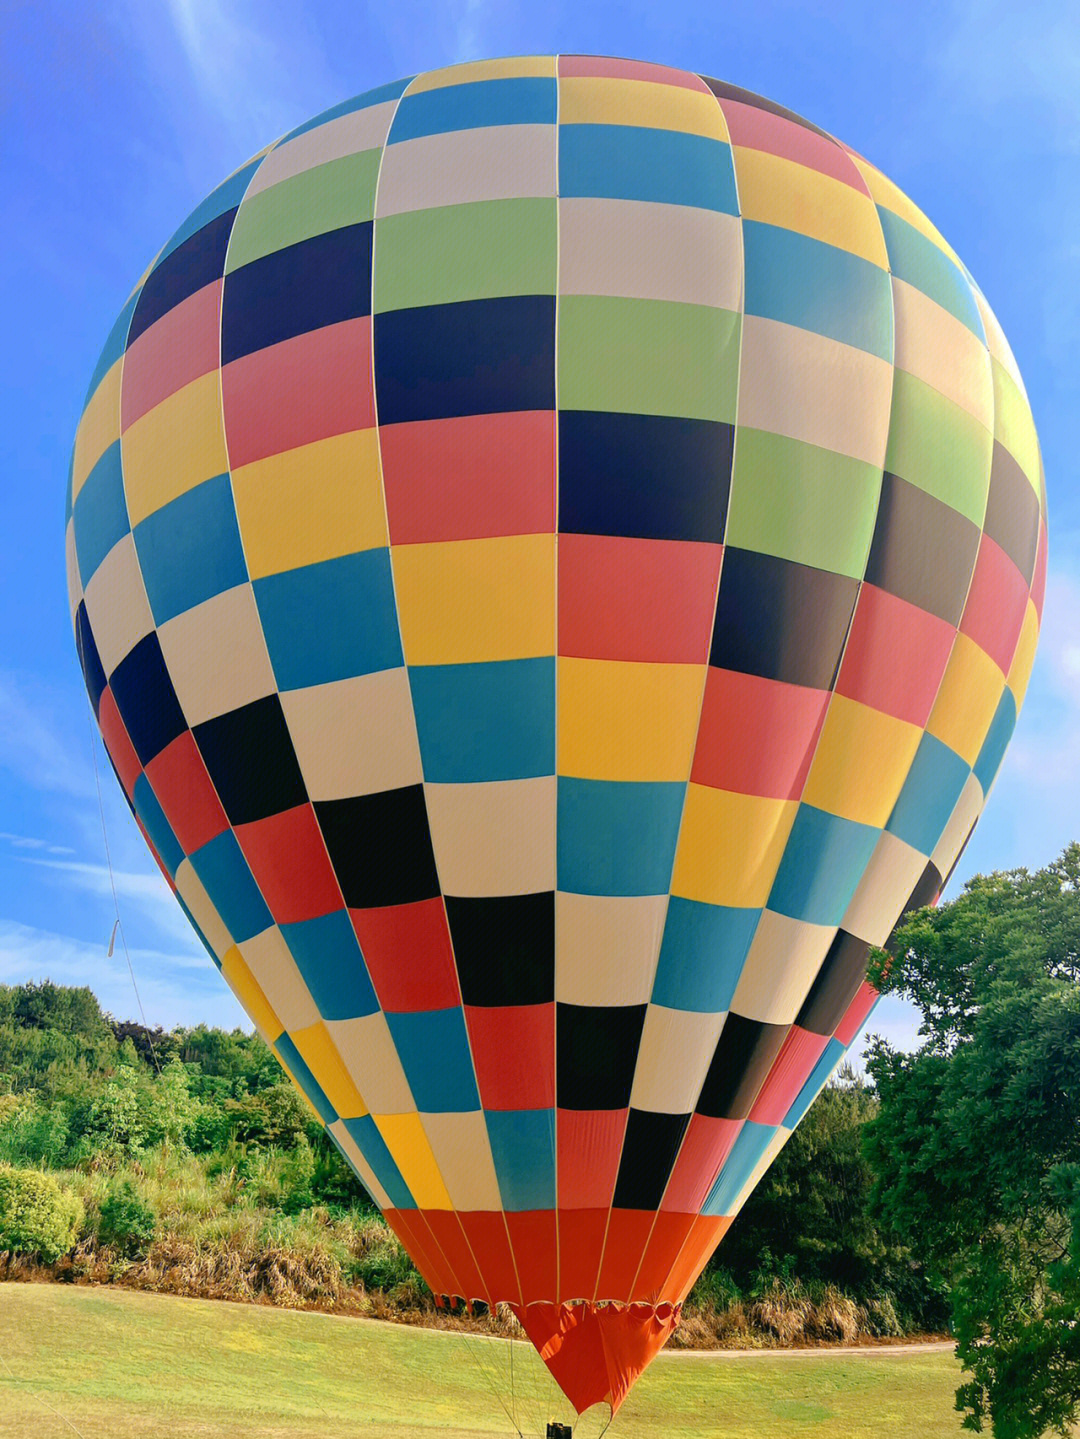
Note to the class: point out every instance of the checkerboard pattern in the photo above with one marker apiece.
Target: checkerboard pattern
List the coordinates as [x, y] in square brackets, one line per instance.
[556, 549]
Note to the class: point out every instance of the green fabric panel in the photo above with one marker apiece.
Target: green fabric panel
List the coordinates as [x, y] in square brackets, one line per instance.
[939, 447]
[466, 252]
[647, 357]
[326, 197]
[802, 503]
[1013, 424]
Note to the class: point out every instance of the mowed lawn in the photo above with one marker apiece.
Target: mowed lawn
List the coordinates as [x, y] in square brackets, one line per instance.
[120, 1365]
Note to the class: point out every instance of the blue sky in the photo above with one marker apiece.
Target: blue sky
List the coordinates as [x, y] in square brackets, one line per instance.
[119, 117]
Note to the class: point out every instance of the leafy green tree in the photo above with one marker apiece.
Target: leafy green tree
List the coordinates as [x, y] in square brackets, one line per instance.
[976, 1146]
[37, 1216]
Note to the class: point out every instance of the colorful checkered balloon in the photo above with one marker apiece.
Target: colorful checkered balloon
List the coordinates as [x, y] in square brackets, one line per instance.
[556, 548]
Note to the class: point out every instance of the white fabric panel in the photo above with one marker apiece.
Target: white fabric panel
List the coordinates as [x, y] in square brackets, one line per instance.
[216, 655]
[606, 947]
[116, 604]
[676, 1050]
[782, 964]
[369, 1054]
[355, 736]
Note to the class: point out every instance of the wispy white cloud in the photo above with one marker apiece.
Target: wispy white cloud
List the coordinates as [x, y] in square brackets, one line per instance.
[25, 841]
[144, 888]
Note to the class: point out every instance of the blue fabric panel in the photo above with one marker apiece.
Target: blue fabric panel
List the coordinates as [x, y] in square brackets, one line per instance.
[617, 838]
[294, 1061]
[914, 258]
[831, 1056]
[181, 272]
[751, 1144]
[373, 1147]
[190, 549]
[331, 620]
[823, 862]
[996, 741]
[523, 1148]
[156, 825]
[522, 100]
[433, 1046]
[224, 872]
[629, 162]
[89, 659]
[801, 281]
[491, 721]
[115, 346]
[100, 512]
[929, 796]
[702, 954]
[347, 107]
[146, 699]
[328, 957]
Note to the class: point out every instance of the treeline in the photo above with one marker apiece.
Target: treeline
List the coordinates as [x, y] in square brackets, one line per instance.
[184, 1160]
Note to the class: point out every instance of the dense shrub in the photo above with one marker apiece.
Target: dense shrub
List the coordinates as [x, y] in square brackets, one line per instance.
[37, 1217]
[126, 1223]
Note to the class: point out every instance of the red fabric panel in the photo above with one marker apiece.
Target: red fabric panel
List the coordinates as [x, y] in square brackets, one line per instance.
[184, 790]
[301, 390]
[444, 1224]
[180, 347]
[997, 599]
[532, 1237]
[513, 1050]
[486, 1233]
[632, 1338]
[1038, 579]
[589, 1145]
[855, 1018]
[595, 1354]
[762, 130]
[627, 1235]
[895, 656]
[597, 66]
[799, 1053]
[581, 1246]
[757, 736]
[706, 1144]
[288, 858]
[408, 954]
[704, 1236]
[634, 599]
[662, 1249]
[470, 477]
[121, 750]
[414, 1233]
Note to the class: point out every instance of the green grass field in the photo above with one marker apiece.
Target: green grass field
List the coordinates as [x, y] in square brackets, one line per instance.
[114, 1364]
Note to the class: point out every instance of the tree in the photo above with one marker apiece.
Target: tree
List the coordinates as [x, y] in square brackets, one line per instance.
[976, 1145]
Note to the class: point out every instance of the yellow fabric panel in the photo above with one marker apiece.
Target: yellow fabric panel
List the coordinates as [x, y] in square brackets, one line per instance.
[588, 100]
[891, 197]
[246, 988]
[466, 601]
[623, 721]
[730, 846]
[509, 69]
[861, 762]
[996, 342]
[313, 503]
[98, 428]
[411, 1152]
[1024, 658]
[938, 349]
[187, 429]
[967, 699]
[782, 192]
[320, 1055]
[1013, 424]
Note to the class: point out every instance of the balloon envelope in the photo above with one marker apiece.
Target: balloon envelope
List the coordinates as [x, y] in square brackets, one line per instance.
[556, 549]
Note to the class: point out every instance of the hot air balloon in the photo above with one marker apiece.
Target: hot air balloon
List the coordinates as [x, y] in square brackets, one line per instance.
[556, 549]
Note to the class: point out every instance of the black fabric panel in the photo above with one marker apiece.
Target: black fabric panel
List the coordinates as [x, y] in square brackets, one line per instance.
[595, 1055]
[316, 282]
[380, 847]
[925, 892]
[842, 972]
[744, 1055]
[146, 699]
[646, 476]
[923, 551]
[92, 668]
[781, 620]
[199, 261]
[650, 1149]
[251, 761]
[723, 91]
[1012, 511]
[504, 948]
[474, 357]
